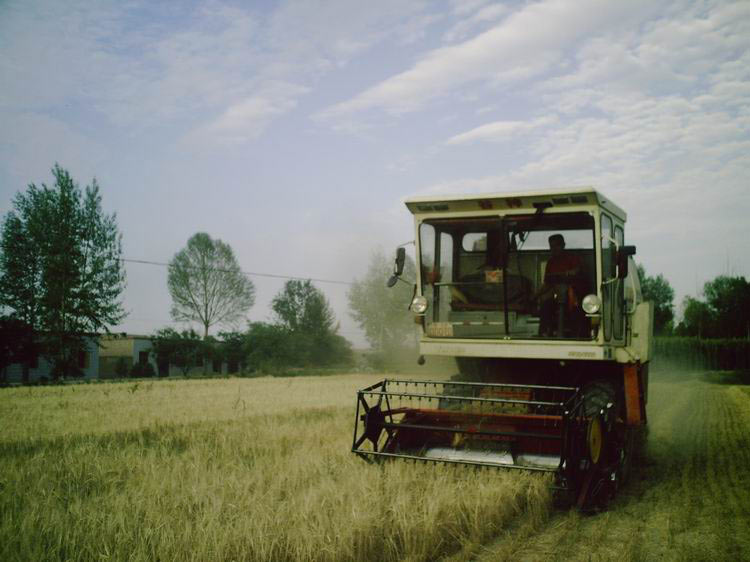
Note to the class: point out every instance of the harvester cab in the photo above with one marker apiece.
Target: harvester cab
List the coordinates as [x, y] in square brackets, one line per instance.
[538, 299]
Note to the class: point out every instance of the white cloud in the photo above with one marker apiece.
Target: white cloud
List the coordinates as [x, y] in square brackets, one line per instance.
[526, 43]
[139, 73]
[248, 118]
[499, 130]
[671, 53]
[479, 16]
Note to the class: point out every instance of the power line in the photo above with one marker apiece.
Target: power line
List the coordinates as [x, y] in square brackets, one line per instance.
[250, 273]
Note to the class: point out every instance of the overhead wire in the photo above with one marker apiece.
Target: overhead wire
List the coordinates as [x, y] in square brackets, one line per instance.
[250, 273]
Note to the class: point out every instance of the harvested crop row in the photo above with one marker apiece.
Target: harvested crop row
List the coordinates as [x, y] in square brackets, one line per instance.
[689, 497]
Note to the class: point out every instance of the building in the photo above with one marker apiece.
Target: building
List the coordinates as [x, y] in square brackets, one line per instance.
[109, 356]
[40, 369]
[119, 352]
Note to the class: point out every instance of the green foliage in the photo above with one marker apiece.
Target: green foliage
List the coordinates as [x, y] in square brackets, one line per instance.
[659, 291]
[207, 285]
[140, 370]
[274, 349]
[729, 298]
[306, 325]
[302, 307]
[725, 312]
[698, 319]
[304, 335]
[121, 367]
[60, 268]
[689, 352]
[270, 348]
[181, 349]
[380, 311]
[233, 350]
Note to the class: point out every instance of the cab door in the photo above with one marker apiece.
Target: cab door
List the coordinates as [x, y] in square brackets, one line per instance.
[618, 300]
[613, 294]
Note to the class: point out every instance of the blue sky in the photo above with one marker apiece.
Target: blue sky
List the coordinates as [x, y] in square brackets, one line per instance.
[294, 130]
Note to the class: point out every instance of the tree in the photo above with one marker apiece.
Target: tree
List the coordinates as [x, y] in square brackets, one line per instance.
[698, 320]
[181, 349]
[233, 350]
[60, 268]
[725, 312]
[658, 290]
[300, 306]
[303, 311]
[206, 284]
[269, 347]
[729, 299]
[380, 311]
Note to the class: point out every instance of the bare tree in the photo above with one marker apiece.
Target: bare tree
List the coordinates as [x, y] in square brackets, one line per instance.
[207, 285]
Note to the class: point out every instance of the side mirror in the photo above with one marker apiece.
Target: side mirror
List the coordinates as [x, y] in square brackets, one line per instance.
[398, 267]
[622, 260]
[400, 259]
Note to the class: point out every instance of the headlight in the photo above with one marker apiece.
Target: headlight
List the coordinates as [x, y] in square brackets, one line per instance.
[591, 304]
[418, 305]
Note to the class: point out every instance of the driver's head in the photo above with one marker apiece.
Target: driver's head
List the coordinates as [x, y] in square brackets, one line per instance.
[556, 244]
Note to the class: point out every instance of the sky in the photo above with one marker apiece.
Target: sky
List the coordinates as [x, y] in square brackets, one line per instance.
[293, 131]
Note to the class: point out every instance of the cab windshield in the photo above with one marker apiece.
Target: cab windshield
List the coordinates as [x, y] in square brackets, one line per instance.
[520, 277]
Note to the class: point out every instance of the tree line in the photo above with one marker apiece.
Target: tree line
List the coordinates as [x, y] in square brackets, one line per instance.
[302, 333]
[721, 311]
[62, 277]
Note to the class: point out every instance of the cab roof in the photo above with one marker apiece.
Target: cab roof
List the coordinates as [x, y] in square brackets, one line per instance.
[575, 197]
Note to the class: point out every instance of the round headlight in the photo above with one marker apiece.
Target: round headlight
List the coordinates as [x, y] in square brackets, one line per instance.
[591, 304]
[419, 304]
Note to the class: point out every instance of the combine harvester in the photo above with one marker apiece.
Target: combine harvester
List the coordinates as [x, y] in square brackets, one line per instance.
[537, 297]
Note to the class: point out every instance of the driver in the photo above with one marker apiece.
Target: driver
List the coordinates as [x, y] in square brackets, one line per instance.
[563, 284]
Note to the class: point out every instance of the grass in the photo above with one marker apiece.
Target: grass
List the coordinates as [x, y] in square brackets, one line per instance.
[251, 469]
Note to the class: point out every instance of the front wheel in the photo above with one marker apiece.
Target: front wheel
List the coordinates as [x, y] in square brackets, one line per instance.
[602, 448]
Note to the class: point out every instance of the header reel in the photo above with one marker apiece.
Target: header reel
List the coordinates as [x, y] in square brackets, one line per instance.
[511, 426]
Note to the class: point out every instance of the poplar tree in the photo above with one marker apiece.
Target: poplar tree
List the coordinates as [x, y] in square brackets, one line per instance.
[60, 269]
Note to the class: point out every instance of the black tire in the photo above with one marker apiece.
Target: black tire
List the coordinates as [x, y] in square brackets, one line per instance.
[597, 396]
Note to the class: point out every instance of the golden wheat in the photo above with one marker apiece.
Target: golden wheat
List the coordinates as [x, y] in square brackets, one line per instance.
[235, 469]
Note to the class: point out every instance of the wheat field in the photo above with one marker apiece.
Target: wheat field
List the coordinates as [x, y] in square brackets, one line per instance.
[260, 469]
[232, 469]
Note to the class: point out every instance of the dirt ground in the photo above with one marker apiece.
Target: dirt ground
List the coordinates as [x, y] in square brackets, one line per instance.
[689, 496]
